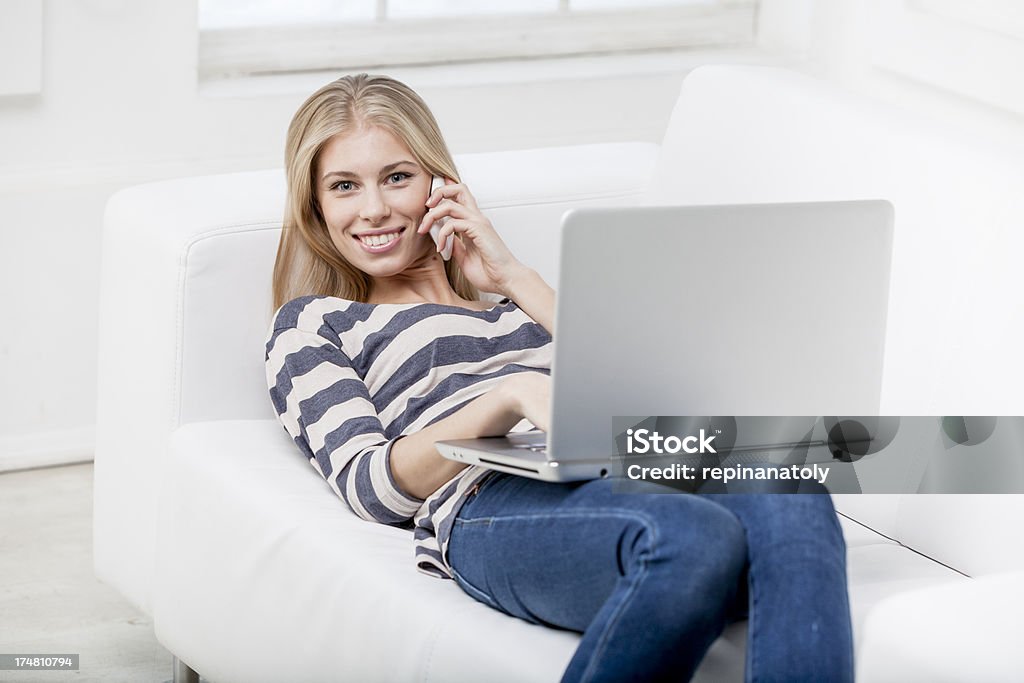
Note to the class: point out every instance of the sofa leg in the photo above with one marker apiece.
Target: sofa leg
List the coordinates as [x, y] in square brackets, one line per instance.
[183, 673]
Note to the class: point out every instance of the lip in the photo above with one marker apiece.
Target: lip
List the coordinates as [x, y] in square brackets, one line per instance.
[382, 248]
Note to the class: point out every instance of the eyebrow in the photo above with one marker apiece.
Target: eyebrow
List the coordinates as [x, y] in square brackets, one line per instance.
[384, 171]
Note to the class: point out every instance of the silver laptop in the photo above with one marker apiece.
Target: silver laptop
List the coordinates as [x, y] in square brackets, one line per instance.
[745, 310]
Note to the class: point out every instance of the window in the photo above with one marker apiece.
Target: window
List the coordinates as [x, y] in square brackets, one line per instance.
[241, 37]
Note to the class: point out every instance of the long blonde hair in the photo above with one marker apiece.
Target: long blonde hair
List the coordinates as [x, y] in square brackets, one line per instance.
[307, 260]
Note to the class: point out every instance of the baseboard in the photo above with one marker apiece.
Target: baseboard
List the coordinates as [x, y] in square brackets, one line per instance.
[47, 449]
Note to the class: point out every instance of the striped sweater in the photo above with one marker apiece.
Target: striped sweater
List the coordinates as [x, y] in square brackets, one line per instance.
[349, 379]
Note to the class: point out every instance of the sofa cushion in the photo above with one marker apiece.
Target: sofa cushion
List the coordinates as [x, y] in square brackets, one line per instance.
[263, 574]
[964, 631]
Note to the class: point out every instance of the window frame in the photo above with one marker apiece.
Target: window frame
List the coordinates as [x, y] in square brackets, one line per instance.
[265, 50]
[21, 48]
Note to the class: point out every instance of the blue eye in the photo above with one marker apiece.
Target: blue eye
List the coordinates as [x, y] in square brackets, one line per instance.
[398, 177]
[342, 185]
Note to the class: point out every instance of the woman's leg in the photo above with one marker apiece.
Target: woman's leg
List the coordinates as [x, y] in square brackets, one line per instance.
[649, 579]
[799, 608]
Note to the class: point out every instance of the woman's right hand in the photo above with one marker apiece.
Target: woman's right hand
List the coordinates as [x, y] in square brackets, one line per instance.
[530, 397]
[484, 258]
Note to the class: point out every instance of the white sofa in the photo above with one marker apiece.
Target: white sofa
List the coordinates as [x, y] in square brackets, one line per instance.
[208, 518]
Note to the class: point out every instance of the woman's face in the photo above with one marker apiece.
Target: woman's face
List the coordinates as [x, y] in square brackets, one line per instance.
[372, 194]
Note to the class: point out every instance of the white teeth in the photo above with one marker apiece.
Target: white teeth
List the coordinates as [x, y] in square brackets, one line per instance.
[378, 240]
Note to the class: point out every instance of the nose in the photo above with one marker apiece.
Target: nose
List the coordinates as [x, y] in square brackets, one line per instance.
[374, 208]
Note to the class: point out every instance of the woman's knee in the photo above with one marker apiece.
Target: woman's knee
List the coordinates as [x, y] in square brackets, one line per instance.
[682, 535]
[808, 517]
[698, 537]
[695, 565]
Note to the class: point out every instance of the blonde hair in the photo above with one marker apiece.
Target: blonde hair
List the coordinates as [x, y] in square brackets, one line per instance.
[307, 260]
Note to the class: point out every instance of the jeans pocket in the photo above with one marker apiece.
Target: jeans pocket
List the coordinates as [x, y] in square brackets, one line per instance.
[474, 592]
[481, 485]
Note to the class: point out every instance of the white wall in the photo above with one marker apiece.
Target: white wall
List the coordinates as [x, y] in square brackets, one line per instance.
[944, 66]
[119, 105]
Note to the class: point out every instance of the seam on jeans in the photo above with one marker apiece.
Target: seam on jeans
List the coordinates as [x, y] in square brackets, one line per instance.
[473, 591]
[579, 512]
[752, 627]
[602, 644]
[473, 496]
[467, 586]
[471, 522]
[586, 513]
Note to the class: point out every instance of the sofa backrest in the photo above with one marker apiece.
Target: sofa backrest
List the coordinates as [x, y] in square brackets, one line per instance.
[956, 320]
[220, 233]
[956, 317]
[226, 289]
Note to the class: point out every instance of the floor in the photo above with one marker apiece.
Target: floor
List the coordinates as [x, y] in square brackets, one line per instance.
[50, 602]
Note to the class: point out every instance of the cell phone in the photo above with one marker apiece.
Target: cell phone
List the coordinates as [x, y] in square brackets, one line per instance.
[435, 229]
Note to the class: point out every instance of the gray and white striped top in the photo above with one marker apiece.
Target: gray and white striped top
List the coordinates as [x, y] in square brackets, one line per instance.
[348, 379]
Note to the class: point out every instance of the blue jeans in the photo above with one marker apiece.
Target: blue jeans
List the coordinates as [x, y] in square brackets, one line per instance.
[652, 580]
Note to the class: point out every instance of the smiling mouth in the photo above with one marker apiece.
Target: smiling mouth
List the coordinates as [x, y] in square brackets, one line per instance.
[378, 241]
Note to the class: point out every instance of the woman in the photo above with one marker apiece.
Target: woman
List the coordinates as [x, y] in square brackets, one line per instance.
[380, 348]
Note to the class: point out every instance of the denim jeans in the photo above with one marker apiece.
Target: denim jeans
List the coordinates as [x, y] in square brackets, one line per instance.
[652, 580]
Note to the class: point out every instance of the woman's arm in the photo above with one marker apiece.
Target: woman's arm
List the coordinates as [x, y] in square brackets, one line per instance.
[325, 407]
[419, 470]
[532, 294]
